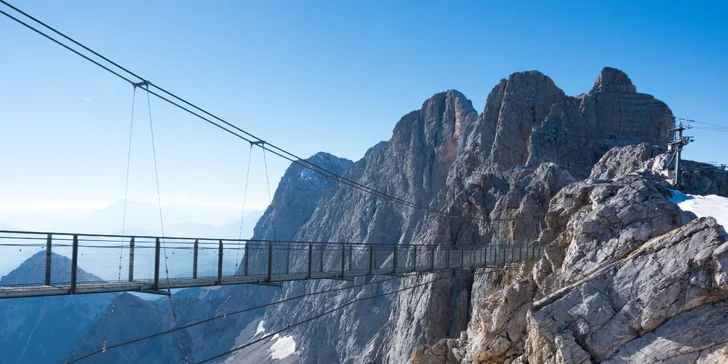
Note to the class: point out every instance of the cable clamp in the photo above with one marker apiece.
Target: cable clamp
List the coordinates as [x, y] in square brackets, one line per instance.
[140, 84]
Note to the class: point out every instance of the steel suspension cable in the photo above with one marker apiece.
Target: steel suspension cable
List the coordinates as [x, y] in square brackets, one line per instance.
[126, 182]
[123, 216]
[161, 221]
[218, 317]
[245, 198]
[325, 313]
[273, 149]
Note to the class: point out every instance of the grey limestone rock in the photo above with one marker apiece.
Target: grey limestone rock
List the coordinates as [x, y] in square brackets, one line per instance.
[578, 131]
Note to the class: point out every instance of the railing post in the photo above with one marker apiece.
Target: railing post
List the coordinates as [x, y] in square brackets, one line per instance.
[447, 257]
[131, 259]
[288, 256]
[414, 264]
[432, 257]
[374, 259]
[321, 260]
[520, 253]
[157, 245]
[74, 264]
[371, 259]
[343, 259]
[394, 260]
[219, 263]
[485, 256]
[351, 253]
[48, 261]
[195, 257]
[462, 257]
[245, 258]
[270, 261]
[310, 256]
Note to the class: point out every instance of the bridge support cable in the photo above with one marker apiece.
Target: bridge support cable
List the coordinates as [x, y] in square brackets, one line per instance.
[219, 122]
[223, 316]
[330, 311]
[240, 235]
[273, 225]
[123, 218]
[245, 198]
[145, 84]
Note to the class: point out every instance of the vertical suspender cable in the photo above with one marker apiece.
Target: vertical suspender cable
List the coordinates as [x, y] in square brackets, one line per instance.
[123, 216]
[161, 220]
[245, 197]
[126, 183]
[240, 233]
[270, 198]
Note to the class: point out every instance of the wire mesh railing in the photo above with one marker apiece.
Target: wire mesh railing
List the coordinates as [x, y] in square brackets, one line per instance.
[40, 264]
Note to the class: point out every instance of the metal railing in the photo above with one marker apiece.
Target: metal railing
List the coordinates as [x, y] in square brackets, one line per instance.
[43, 263]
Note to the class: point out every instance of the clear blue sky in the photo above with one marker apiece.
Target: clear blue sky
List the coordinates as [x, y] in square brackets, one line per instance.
[311, 76]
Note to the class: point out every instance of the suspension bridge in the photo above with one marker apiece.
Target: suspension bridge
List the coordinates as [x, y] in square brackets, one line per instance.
[42, 263]
[67, 264]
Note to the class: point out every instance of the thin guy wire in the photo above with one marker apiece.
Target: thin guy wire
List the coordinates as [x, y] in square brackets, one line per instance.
[279, 151]
[126, 183]
[289, 156]
[161, 220]
[123, 218]
[235, 313]
[340, 307]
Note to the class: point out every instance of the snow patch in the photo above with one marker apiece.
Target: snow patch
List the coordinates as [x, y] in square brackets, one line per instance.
[305, 175]
[283, 347]
[710, 205]
[260, 329]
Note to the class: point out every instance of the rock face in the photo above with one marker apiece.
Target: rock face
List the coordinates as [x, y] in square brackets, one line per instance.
[612, 315]
[296, 197]
[622, 161]
[625, 269]
[501, 168]
[578, 131]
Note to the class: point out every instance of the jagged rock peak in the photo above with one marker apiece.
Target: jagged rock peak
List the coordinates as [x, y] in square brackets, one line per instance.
[330, 161]
[613, 80]
[440, 117]
[523, 102]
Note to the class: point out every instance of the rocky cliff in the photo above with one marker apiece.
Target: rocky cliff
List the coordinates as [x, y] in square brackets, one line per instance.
[627, 278]
[497, 171]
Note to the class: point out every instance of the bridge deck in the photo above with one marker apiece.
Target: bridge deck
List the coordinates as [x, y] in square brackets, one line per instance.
[47, 264]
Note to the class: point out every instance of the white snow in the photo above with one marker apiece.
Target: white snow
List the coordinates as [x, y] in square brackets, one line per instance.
[305, 175]
[283, 347]
[710, 205]
[260, 329]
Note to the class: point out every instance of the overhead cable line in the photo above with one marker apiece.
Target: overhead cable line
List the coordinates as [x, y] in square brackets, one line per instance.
[325, 313]
[250, 138]
[110, 347]
[702, 122]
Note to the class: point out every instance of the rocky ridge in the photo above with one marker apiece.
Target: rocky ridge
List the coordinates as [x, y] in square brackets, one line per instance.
[624, 269]
[501, 167]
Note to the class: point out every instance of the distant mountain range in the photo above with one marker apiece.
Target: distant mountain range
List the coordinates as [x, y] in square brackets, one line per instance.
[139, 215]
[44, 329]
